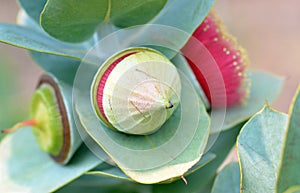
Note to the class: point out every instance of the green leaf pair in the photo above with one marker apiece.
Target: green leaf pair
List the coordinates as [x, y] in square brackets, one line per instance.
[228, 179]
[176, 13]
[25, 168]
[289, 179]
[259, 149]
[75, 20]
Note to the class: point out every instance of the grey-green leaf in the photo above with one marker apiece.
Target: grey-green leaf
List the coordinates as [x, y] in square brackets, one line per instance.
[293, 189]
[75, 20]
[264, 87]
[166, 154]
[33, 8]
[127, 13]
[259, 149]
[12, 108]
[31, 39]
[61, 67]
[100, 184]
[115, 172]
[228, 180]
[202, 180]
[181, 64]
[184, 15]
[289, 174]
[25, 168]
[173, 26]
[178, 16]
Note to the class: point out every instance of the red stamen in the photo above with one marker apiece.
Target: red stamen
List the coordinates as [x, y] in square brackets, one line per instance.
[230, 58]
[103, 81]
[19, 125]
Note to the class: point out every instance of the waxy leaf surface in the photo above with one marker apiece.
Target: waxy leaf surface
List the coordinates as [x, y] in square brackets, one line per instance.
[33, 8]
[101, 184]
[228, 180]
[115, 172]
[25, 168]
[289, 174]
[202, 180]
[31, 39]
[166, 154]
[264, 87]
[169, 31]
[259, 149]
[75, 20]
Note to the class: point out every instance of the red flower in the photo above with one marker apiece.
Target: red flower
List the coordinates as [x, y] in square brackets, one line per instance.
[231, 62]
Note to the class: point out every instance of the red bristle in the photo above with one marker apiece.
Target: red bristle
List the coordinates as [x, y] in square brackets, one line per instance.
[103, 81]
[229, 57]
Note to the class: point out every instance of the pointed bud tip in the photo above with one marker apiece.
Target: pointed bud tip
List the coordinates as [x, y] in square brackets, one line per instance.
[169, 105]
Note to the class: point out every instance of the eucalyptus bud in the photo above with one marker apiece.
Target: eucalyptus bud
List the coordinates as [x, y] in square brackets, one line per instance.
[136, 91]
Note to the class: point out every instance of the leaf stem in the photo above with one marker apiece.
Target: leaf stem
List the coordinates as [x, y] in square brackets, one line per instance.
[19, 125]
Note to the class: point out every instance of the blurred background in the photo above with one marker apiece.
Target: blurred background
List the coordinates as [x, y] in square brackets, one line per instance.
[268, 30]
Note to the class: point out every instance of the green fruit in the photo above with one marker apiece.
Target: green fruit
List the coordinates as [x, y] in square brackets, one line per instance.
[52, 119]
[55, 129]
[48, 129]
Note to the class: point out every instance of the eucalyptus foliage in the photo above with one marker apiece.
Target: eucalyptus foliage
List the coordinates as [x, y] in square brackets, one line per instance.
[59, 35]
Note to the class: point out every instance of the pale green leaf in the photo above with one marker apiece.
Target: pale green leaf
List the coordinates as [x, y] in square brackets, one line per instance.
[169, 31]
[290, 164]
[12, 108]
[75, 20]
[202, 180]
[264, 87]
[174, 24]
[181, 64]
[128, 13]
[39, 41]
[259, 149]
[100, 184]
[228, 180]
[293, 189]
[25, 168]
[168, 153]
[61, 67]
[33, 8]
[115, 172]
